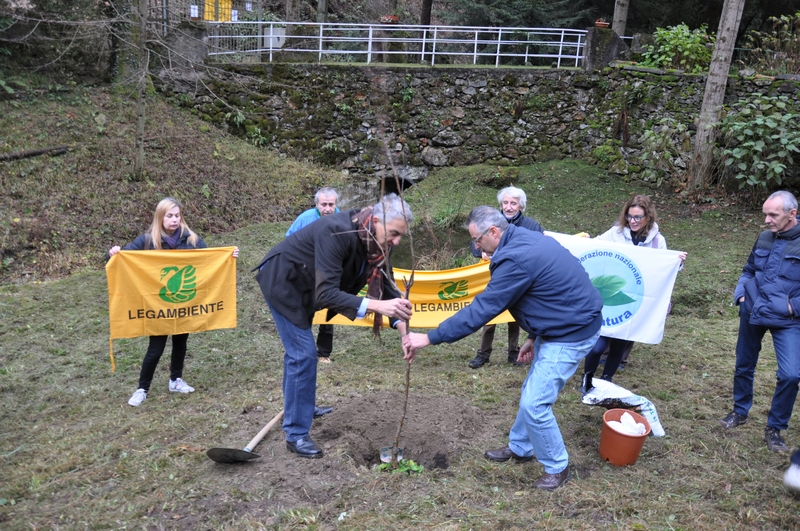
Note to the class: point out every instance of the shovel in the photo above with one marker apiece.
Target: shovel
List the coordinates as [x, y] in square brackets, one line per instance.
[233, 455]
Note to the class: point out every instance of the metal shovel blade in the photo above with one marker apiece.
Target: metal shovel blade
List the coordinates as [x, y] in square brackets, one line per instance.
[230, 455]
[234, 455]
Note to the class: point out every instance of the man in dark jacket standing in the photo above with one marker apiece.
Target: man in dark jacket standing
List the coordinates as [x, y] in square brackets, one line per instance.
[768, 295]
[512, 202]
[325, 265]
[550, 295]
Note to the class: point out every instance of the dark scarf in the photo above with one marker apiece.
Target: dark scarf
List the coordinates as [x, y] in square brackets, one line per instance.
[376, 259]
[172, 241]
[513, 220]
[638, 237]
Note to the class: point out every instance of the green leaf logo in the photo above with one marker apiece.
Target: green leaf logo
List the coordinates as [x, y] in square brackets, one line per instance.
[610, 287]
[180, 286]
[453, 290]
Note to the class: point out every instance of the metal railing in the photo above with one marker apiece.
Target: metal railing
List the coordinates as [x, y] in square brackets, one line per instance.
[394, 43]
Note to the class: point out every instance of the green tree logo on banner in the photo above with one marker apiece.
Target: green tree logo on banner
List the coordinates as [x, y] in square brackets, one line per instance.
[180, 286]
[610, 288]
[453, 290]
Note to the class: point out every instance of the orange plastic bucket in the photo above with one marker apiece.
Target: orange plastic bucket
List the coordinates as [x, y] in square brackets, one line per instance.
[617, 448]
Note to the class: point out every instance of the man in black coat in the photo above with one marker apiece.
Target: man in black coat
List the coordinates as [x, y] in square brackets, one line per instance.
[325, 265]
[512, 202]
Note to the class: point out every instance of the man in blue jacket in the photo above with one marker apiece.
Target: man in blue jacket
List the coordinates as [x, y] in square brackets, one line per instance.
[768, 295]
[550, 295]
[512, 202]
[324, 205]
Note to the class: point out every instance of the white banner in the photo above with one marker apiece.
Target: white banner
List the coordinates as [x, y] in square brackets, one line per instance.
[635, 283]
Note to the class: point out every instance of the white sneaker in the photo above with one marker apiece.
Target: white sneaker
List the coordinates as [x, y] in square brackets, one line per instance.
[138, 397]
[791, 479]
[179, 386]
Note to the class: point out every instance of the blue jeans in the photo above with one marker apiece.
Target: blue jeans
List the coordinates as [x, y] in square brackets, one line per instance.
[787, 349]
[535, 432]
[299, 376]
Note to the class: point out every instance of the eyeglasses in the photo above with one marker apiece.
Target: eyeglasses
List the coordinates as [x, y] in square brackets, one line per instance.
[477, 239]
[634, 218]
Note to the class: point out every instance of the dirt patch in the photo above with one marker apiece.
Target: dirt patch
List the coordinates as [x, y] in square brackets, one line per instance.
[435, 429]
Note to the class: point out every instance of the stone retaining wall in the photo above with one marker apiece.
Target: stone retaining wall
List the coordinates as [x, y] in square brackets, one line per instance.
[363, 119]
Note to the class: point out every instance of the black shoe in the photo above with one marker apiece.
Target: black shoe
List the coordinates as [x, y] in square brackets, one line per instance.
[732, 420]
[304, 447]
[322, 410]
[504, 454]
[478, 362]
[774, 441]
[512, 359]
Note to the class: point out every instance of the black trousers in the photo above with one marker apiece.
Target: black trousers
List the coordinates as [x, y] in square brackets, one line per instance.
[325, 341]
[154, 351]
[617, 348]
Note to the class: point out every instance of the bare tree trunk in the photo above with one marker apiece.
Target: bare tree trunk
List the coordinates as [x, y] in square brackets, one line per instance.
[138, 165]
[292, 10]
[620, 16]
[322, 11]
[715, 91]
[425, 16]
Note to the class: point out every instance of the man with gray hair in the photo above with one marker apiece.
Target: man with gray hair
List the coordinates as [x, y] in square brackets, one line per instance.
[512, 202]
[325, 204]
[325, 265]
[768, 296]
[550, 295]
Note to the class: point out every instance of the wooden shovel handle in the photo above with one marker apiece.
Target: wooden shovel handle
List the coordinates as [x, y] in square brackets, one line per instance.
[257, 439]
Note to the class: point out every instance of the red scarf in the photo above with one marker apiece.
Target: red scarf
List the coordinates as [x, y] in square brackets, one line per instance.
[376, 259]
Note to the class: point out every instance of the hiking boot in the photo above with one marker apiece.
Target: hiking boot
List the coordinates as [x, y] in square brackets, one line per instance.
[774, 441]
[553, 481]
[478, 362]
[732, 420]
[138, 397]
[179, 386]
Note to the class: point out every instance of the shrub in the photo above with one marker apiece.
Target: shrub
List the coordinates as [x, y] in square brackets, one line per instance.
[662, 145]
[776, 51]
[676, 47]
[762, 134]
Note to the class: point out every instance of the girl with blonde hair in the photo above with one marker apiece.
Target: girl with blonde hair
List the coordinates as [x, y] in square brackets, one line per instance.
[168, 231]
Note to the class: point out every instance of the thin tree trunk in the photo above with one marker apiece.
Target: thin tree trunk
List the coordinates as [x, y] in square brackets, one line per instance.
[322, 11]
[292, 10]
[714, 95]
[138, 165]
[620, 16]
[425, 16]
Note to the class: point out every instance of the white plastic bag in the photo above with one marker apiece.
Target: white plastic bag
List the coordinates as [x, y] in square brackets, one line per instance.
[610, 395]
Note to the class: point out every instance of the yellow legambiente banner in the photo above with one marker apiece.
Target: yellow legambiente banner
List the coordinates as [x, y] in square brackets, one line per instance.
[158, 293]
[435, 296]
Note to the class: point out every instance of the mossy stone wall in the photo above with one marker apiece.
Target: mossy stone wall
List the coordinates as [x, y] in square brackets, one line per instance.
[364, 119]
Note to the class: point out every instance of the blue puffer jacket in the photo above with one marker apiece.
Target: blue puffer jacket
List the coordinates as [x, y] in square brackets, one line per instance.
[544, 287]
[770, 280]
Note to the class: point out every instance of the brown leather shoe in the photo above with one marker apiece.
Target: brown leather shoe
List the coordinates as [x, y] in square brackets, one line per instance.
[552, 481]
[504, 454]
